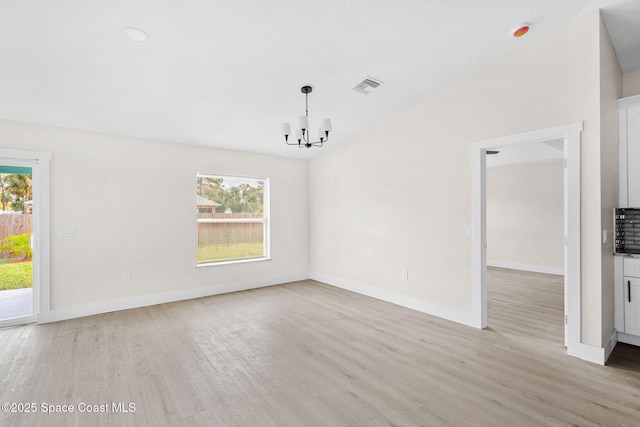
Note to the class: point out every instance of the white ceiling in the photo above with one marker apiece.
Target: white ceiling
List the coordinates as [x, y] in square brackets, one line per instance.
[227, 73]
[623, 24]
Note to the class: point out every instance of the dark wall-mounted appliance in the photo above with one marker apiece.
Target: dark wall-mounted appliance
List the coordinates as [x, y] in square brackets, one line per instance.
[627, 230]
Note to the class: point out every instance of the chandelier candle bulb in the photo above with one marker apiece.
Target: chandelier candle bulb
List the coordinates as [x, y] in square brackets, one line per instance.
[303, 123]
[298, 135]
[326, 125]
[286, 129]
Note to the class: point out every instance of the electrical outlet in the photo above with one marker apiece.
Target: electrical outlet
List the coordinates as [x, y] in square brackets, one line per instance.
[405, 274]
[126, 276]
[604, 236]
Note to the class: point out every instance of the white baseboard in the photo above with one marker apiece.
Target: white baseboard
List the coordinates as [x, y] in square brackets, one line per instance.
[161, 298]
[422, 306]
[593, 354]
[526, 267]
[610, 345]
[587, 352]
[628, 339]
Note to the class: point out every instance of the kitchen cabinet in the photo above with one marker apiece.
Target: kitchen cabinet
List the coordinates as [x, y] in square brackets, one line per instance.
[631, 294]
[632, 130]
[627, 268]
[632, 306]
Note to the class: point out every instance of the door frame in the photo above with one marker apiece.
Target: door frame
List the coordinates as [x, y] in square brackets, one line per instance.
[39, 164]
[570, 133]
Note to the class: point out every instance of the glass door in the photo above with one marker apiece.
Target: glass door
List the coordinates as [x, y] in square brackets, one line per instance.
[18, 302]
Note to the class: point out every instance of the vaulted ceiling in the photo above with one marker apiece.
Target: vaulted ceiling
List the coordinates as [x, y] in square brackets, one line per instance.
[228, 73]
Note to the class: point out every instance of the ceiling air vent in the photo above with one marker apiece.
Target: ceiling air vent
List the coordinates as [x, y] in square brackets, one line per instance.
[368, 83]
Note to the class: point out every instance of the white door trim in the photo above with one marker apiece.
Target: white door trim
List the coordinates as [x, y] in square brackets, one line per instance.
[39, 164]
[570, 133]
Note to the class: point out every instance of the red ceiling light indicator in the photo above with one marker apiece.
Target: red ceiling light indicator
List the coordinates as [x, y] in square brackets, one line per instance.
[521, 30]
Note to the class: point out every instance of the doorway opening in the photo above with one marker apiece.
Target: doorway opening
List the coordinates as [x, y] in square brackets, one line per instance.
[35, 164]
[17, 302]
[570, 137]
[525, 241]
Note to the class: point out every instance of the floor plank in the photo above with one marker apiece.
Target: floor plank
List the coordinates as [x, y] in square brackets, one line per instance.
[308, 354]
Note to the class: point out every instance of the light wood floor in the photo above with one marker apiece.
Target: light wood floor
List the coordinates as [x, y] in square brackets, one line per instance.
[308, 354]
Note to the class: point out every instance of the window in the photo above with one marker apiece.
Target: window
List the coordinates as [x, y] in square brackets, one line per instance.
[233, 219]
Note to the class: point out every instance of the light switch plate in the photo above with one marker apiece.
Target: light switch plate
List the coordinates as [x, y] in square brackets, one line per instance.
[67, 231]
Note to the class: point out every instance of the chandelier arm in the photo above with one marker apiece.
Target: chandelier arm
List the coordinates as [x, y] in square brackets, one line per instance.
[322, 141]
[306, 141]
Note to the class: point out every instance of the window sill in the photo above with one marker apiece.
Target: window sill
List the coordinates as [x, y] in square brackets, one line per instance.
[240, 261]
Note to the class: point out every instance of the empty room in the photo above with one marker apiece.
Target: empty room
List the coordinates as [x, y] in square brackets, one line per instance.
[305, 213]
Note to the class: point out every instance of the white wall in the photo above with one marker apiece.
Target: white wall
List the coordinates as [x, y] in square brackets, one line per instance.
[525, 227]
[133, 203]
[394, 198]
[631, 83]
[611, 81]
[399, 195]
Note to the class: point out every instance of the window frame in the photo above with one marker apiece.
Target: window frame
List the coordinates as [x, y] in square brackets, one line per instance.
[265, 221]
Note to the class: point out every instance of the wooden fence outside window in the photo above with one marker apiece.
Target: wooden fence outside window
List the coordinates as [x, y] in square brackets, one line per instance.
[12, 224]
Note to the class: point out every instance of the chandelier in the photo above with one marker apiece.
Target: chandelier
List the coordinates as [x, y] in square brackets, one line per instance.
[303, 132]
